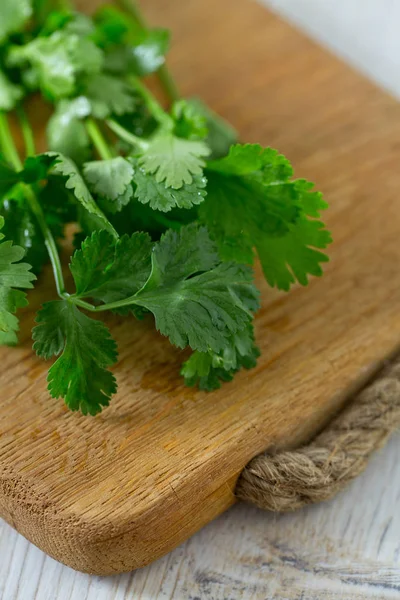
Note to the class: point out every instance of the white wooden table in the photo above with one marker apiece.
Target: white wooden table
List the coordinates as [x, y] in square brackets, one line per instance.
[346, 549]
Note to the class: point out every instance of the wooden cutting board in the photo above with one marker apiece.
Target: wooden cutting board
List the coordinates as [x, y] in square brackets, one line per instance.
[112, 493]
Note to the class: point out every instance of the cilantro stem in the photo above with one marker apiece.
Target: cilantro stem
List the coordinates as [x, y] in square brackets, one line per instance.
[7, 143]
[27, 132]
[49, 240]
[126, 135]
[12, 155]
[168, 83]
[152, 103]
[165, 77]
[98, 140]
[103, 307]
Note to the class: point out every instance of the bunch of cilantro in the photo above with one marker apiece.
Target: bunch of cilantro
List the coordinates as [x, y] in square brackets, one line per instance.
[170, 211]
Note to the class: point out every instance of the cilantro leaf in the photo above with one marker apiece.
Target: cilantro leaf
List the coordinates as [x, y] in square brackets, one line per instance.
[66, 133]
[148, 51]
[208, 369]
[253, 202]
[13, 274]
[112, 25]
[130, 47]
[36, 168]
[14, 14]
[10, 94]
[80, 374]
[173, 160]
[82, 25]
[190, 123]
[109, 270]
[57, 61]
[50, 21]
[149, 191]
[75, 182]
[110, 180]
[8, 177]
[195, 300]
[144, 56]
[21, 228]
[109, 95]
[221, 135]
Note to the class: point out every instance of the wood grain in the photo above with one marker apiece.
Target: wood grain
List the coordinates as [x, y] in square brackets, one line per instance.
[345, 549]
[110, 494]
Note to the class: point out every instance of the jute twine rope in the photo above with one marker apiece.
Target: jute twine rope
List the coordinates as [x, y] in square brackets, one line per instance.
[286, 481]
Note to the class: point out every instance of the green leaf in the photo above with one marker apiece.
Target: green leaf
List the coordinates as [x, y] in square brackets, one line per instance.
[36, 168]
[66, 133]
[149, 191]
[190, 123]
[75, 182]
[53, 21]
[10, 94]
[111, 180]
[144, 56]
[80, 374]
[112, 25]
[173, 160]
[58, 205]
[109, 270]
[221, 135]
[83, 26]
[147, 53]
[130, 47]
[13, 16]
[21, 228]
[52, 64]
[208, 369]
[8, 178]
[58, 60]
[195, 300]
[253, 202]
[109, 95]
[13, 274]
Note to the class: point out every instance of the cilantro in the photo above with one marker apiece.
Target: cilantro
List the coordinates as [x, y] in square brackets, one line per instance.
[160, 197]
[253, 202]
[220, 134]
[21, 228]
[80, 374]
[14, 14]
[66, 132]
[112, 25]
[13, 274]
[109, 95]
[8, 177]
[130, 47]
[147, 54]
[190, 123]
[36, 168]
[196, 301]
[111, 180]
[173, 160]
[10, 94]
[54, 21]
[209, 369]
[75, 182]
[166, 210]
[109, 270]
[57, 61]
